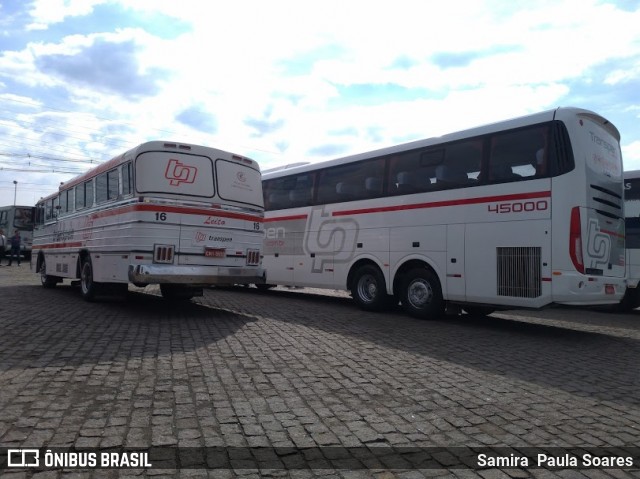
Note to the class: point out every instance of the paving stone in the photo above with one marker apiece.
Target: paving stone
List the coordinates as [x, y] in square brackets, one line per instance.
[293, 368]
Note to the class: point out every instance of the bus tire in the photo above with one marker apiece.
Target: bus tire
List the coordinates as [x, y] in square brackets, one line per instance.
[629, 302]
[421, 294]
[46, 280]
[88, 287]
[368, 288]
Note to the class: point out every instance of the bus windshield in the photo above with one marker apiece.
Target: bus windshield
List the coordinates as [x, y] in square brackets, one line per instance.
[23, 218]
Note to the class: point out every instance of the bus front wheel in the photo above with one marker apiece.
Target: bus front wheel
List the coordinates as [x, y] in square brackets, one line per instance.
[421, 294]
[368, 288]
[46, 280]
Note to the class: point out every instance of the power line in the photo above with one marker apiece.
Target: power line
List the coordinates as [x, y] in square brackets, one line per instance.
[48, 170]
[32, 127]
[27, 143]
[47, 158]
[131, 124]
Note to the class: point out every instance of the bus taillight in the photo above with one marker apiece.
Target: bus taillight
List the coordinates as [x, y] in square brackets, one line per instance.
[253, 257]
[575, 240]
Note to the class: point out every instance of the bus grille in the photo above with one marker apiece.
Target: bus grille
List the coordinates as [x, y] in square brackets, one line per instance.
[163, 253]
[519, 272]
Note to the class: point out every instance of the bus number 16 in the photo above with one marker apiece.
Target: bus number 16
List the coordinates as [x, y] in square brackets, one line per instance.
[518, 206]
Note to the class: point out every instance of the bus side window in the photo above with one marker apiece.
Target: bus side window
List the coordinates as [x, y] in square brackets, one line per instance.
[278, 200]
[450, 176]
[462, 163]
[413, 171]
[373, 186]
[39, 219]
[88, 193]
[518, 154]
[113, 186]
[302, 191]
[102, 194]
[63, 202]
[80, 196]
[127, 183]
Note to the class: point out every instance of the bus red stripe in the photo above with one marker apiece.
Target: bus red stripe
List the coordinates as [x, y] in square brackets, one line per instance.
[286, 218]
[439, 204]
[176, 209]
[73, 244]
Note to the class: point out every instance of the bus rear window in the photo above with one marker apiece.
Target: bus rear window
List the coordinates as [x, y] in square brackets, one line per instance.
[174, 173]
[238, 182]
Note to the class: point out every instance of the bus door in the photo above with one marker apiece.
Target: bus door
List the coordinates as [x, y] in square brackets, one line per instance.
[455, 262]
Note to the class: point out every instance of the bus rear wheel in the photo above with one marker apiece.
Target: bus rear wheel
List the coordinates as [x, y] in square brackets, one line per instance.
[630, 301]
[46, 280]
[368, 289]
[421, 294]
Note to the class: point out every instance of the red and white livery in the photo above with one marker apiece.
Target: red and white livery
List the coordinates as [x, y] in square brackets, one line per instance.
[178, 215]
[520, 213]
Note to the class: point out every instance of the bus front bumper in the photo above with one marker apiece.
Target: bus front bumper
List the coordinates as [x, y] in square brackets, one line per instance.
[194, 275]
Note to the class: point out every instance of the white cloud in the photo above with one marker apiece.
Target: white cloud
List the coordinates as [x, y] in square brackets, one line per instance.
[277, 75]
[47, 12]
[631, 156]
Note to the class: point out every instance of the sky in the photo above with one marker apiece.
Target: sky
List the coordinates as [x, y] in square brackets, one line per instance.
[281, 82]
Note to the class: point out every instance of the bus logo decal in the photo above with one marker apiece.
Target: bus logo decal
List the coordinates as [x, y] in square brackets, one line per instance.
[330, 240]
[598, 244]
[178, 173]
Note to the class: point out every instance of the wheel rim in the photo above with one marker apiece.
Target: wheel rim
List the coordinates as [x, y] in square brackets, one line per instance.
[367, 288]
[419, 293]
[86, 278]
[43, 272]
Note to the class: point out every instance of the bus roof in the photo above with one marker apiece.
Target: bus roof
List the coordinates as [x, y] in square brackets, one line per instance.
[129, 154]
[534, 118]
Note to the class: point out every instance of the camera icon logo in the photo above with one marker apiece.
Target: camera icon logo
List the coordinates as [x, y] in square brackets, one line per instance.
[23, 458]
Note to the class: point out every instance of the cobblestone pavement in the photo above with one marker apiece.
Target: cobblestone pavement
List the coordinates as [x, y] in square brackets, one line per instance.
[294, 369]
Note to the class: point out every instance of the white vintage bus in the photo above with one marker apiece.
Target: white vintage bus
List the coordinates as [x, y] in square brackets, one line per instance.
[521, 213]
[631, 298]
[18, 218]
[178, 215]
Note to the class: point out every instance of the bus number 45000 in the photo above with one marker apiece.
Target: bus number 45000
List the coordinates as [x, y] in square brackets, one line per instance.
[518, 206]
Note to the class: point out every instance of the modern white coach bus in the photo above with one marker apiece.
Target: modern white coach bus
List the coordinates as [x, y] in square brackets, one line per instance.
[631, 298]
[178, 215]
[521, 213]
